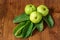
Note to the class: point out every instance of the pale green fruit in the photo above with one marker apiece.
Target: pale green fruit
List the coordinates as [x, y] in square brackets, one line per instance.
[43, 10]
[29, 9]
[35, 17]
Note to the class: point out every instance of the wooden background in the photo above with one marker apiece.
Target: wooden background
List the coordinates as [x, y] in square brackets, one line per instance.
[11, 8]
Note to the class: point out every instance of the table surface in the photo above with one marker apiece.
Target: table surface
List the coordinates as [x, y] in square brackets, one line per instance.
[11, 8]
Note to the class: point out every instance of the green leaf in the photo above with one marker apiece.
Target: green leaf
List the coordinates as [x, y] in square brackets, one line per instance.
[18, 31]
[17, 27]
[29, 30]
[34, 27]
[19, 34]
[20, 18]
[40, 26]
[48, 19]
[25, 29]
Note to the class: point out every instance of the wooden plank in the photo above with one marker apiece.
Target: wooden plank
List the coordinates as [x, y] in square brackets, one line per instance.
[1, 19]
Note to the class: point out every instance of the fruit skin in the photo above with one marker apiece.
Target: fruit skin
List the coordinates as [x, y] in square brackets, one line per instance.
[35, 17]
[43, 10]
[29, 9]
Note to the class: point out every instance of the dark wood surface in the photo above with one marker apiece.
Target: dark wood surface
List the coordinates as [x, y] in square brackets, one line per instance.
[11, 8]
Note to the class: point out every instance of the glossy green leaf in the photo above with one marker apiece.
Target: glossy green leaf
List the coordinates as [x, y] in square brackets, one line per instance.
[29, 30]
[25, 29]
[18, 32]
[18, 26]
[34, 27]
[21, 18]
[40, 26]
[49, 20]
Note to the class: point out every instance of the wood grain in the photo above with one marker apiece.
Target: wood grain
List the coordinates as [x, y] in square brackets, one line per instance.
[11, 8]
